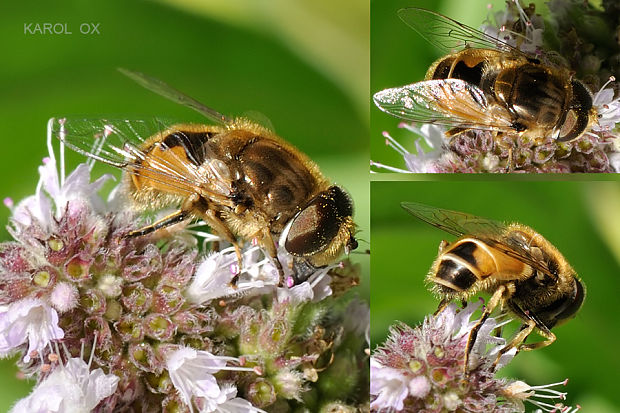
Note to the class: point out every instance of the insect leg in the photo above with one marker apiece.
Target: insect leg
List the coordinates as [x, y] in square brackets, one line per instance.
[550, 338]
[496, 298]
[217, 225]
[174, 218]
[526, 330]
[442, 306]
[269, 245]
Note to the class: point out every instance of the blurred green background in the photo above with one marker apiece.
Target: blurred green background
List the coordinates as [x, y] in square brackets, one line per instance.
[580, 218]
[303, 64]
[399, 56]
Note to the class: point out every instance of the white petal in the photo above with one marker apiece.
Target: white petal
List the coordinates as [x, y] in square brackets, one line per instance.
[28, 320]
[36, 206]
[191, 372]
[297, 294]
[49, 178]
[214, 275]
[212, 278]
[71, 388]
[389, 385]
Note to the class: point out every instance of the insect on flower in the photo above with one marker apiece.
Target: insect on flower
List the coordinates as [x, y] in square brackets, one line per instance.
[526, 275]
[489, 85]
[243, 180]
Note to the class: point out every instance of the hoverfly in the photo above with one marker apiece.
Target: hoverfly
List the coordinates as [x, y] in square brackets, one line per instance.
[487, 84]
[242, 179]
[525, 274]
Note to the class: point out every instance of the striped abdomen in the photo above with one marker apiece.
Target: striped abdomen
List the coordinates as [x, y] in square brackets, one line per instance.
[536, 96]
[169, 160]
[469, 260]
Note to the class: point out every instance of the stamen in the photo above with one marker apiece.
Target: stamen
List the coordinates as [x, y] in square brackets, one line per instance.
[319, 277]
[50, 146]
[389, 168]
[243, 406]
[233, 368]
[598, 94]
[62, 161]
[522, 14]
[92, 352]
[203, 234]
[523, 37]
[545, 406]
[390, 141]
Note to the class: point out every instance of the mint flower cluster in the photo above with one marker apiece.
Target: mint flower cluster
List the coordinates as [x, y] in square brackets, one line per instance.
[421, 370]
[110, 323]
[580, 38]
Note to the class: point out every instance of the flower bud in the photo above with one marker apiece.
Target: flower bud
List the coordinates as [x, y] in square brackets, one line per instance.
[261, 393]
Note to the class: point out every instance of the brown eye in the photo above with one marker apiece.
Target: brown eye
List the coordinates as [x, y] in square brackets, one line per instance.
[579, 113]
[564, 308]
[319, 222]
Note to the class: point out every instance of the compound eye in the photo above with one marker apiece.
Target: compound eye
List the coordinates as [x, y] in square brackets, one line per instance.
[314, 227]
[573, 304]
[564, 308]
[578, 117]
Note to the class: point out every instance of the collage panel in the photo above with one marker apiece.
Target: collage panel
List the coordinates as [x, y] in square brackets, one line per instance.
[415, 367]
[188, 233]
[500, 87]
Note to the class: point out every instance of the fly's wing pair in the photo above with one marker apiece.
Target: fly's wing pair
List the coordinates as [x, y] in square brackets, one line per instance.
[449, 35]
[138, 145]
[492, 232]
[447, 102]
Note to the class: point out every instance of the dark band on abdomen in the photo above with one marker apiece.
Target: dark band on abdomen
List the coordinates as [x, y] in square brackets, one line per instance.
[192, 143]
[456, 274]
[465, 250]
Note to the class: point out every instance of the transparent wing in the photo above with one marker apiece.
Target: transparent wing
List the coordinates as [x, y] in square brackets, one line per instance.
[454, 222]
[125, 144]
[492, 232]
[167, 91]
[448, 34]
[259, 118]
[450, 102]
[116, 142]
[518, 247]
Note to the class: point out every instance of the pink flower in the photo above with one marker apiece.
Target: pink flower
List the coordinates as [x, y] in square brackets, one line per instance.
[421, 369]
